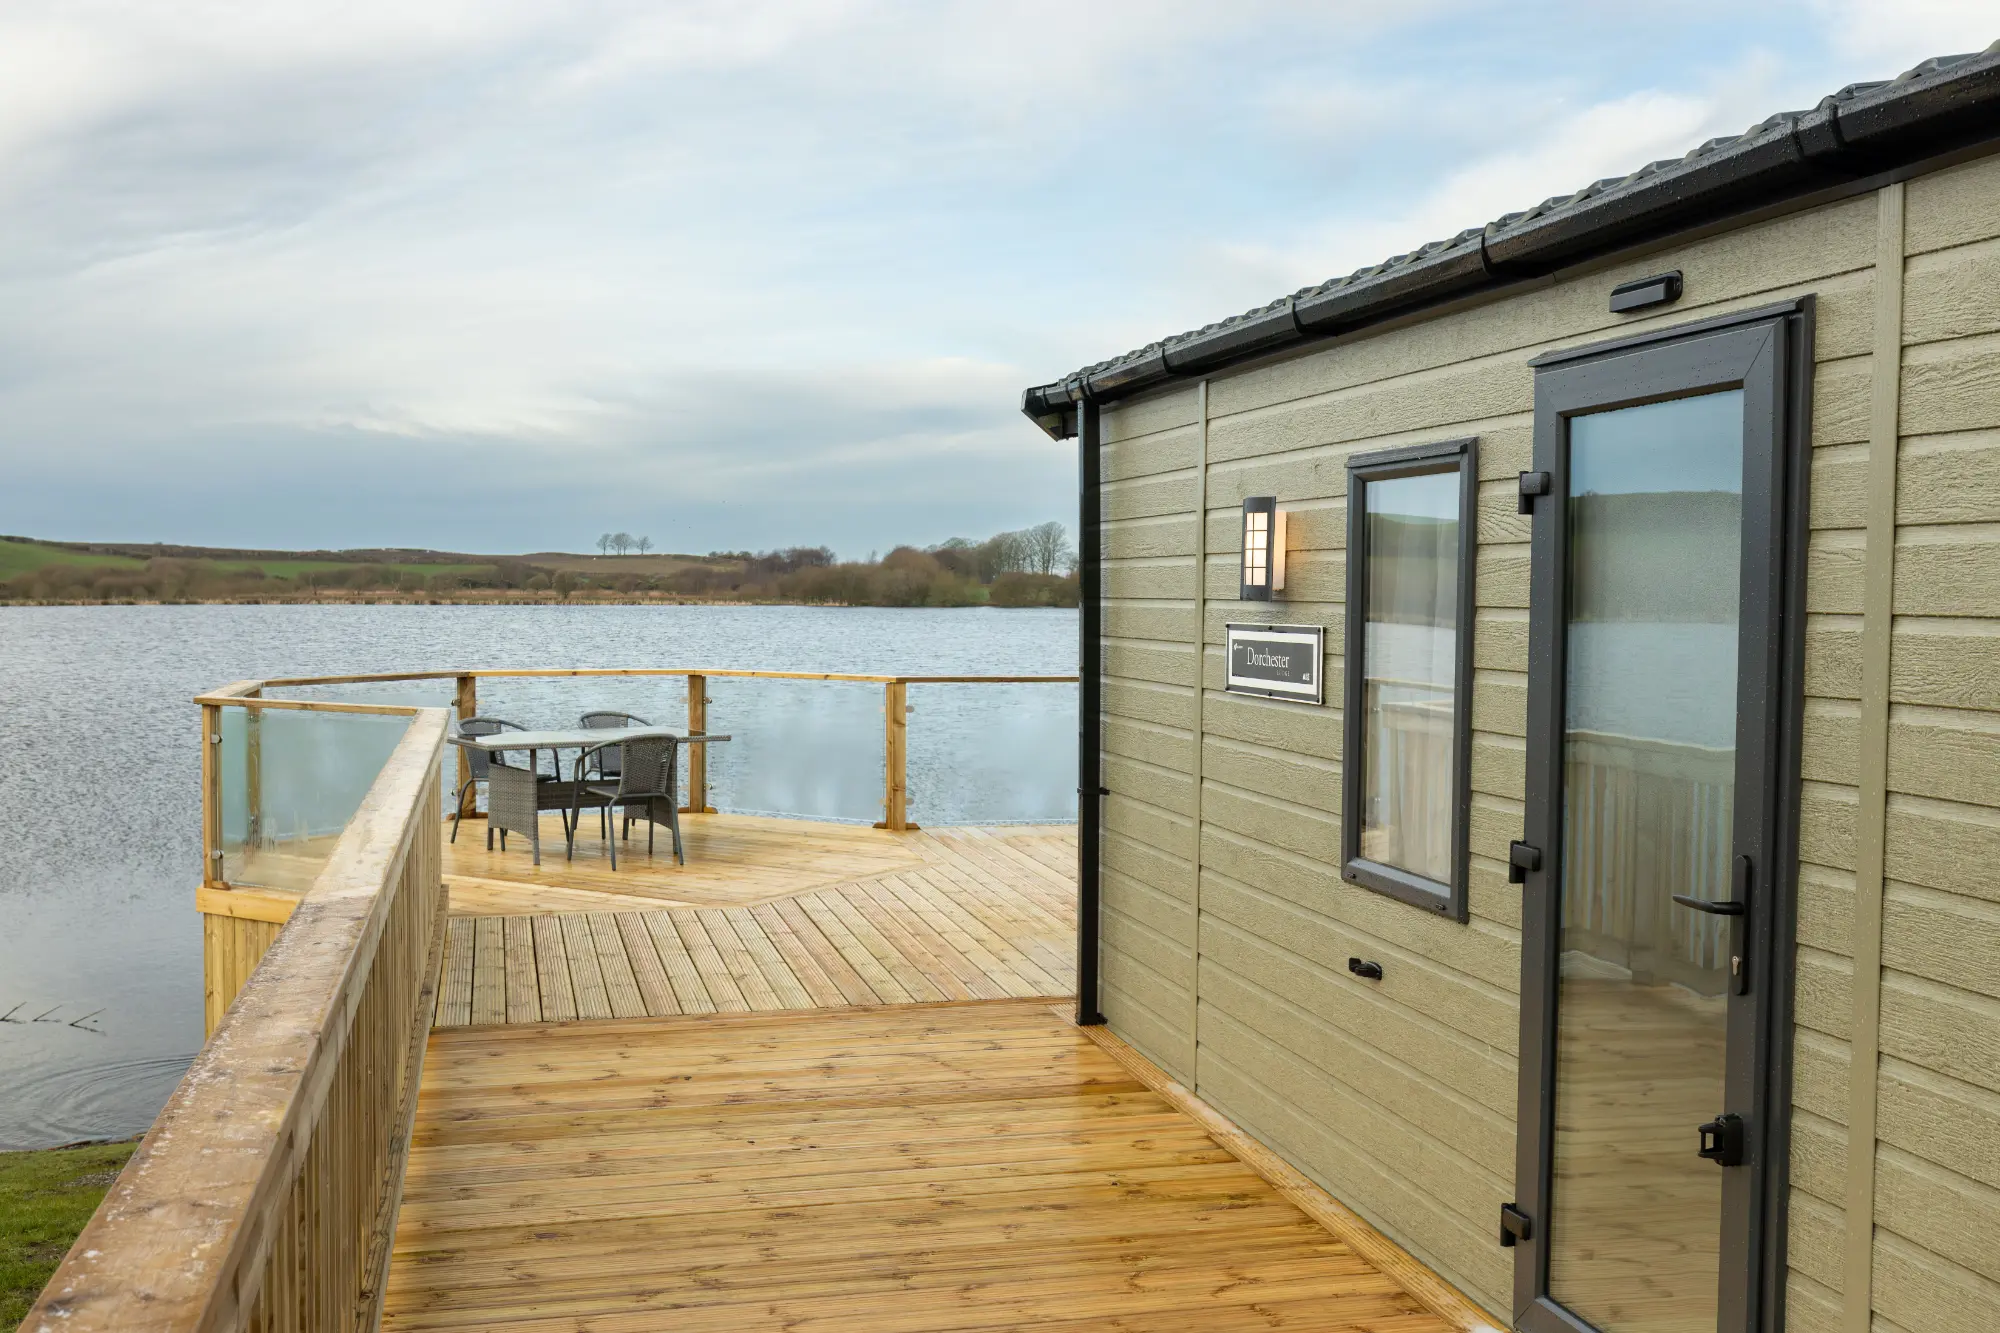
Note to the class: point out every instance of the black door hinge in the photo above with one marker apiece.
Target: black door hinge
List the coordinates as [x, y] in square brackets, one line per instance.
[1521, 858]
[1722, 1140]
[1532, 485]
[1514, 1226]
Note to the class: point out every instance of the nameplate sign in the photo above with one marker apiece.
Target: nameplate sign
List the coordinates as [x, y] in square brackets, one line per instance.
[1277, 661]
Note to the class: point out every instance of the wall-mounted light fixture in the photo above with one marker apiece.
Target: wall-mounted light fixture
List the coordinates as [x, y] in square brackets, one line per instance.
[1263, 548]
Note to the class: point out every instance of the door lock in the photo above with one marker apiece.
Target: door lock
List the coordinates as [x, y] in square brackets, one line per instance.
[1722, 1140]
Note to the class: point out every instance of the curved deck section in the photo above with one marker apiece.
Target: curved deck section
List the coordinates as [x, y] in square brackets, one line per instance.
[767, 914]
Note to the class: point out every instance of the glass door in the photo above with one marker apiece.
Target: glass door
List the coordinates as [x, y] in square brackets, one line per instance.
[1656, 609]
[1648, 801]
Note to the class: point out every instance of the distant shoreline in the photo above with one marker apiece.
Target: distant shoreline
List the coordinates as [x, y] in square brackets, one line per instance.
[1033, 567]
[525, 599]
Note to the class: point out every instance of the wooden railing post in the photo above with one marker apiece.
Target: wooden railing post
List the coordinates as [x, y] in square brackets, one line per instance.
[211, 795]
[697, 722]
[468, 707]
[896, 736]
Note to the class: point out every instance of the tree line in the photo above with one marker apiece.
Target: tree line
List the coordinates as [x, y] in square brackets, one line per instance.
[1032, 567]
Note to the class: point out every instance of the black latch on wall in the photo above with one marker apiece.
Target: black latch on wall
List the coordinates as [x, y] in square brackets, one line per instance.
[1521, 858]
[1514, 1226]
[1645, 293]
[1532, 485]
[1722, 1140]
[1364, 969]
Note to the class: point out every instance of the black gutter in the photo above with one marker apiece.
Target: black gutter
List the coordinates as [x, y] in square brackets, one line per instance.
[1940, 107]
[1089, 709]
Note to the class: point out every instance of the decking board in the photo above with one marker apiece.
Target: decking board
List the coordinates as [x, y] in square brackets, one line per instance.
[977, 1165]
[956, 914]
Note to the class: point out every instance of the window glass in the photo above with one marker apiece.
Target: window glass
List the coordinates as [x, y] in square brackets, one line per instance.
[1409, 669]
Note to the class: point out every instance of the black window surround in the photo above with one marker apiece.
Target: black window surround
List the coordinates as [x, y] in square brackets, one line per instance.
[1446, 898]
[1766, 352]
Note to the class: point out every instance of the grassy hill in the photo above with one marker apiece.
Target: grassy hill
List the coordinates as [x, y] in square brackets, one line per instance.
[20, 555]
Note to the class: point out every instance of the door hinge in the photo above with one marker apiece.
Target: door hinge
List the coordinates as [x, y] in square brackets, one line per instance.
[1521, 858]
[1722, 1140]
[1514, 1226]
[1532, 485]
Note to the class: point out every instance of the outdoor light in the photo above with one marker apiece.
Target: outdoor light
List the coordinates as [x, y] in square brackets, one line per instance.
[1263, 548]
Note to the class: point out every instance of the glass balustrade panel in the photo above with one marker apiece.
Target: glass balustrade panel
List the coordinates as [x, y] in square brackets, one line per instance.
[290, 781]
[992, 754]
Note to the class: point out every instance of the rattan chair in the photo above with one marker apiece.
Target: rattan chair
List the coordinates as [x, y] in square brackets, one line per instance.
[605, 763]
[647, 785]
[479, 764]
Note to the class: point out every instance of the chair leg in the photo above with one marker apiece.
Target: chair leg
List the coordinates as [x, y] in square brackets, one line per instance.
[674, 823]
[610, 843]
[458, 809]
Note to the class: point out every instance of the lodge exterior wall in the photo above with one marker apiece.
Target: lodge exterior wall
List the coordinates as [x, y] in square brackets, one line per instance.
[1399, 1095]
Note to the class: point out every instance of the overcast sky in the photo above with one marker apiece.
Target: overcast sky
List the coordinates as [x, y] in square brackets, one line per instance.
[499, 277]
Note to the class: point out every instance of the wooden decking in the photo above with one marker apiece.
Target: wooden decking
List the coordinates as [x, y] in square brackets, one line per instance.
[888, 1170]
[766, 915]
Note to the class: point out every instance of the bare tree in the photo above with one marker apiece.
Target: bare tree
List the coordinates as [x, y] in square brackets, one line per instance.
[621, 542]
[1047, 547]
[644, 544]
[604, 544]
[1002, 553]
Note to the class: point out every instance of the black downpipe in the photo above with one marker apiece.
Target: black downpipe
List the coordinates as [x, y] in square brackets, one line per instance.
[1089, 707]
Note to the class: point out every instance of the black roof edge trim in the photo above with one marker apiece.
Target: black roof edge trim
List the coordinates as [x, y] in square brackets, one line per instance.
[1943, 105]
[1735, 319]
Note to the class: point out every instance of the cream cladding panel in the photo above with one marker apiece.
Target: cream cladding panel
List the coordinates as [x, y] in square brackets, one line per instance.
[1227, 928]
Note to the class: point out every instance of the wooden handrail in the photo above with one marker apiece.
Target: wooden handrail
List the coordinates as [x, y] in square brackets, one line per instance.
[265, 1195]
[500, 673]
[308, 705]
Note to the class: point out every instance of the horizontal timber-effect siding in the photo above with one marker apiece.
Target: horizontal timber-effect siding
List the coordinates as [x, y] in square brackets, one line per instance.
[1147, 900]
[1937, 1160]
[1226, 945]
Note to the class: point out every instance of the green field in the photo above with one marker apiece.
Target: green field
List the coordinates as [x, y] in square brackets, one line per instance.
[45, 1198]
[22, 557]
[291, 569]
[27, 557]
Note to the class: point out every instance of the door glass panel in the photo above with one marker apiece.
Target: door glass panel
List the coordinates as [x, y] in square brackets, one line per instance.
[1655, 523]
[1409, 673]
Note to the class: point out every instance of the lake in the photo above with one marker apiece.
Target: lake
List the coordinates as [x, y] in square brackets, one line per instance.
[100, 945]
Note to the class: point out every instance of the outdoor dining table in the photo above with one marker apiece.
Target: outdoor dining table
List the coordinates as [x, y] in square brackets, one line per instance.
[515, 797]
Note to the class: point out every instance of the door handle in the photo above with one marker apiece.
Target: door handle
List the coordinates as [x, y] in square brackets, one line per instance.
[1708, 906]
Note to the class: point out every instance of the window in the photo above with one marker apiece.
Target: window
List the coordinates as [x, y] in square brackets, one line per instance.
[1408, 668]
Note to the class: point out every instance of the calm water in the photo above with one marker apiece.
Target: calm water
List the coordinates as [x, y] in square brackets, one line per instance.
[100, 946]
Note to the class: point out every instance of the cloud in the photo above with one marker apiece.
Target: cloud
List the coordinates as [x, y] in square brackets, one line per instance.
[1884, 39]
[790, 259]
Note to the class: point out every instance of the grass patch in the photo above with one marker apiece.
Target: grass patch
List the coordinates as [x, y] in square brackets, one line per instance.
[291, 569]
[27, 557]
[45, 1198]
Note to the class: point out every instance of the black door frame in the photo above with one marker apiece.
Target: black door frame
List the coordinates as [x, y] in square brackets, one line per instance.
[1768, 354]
